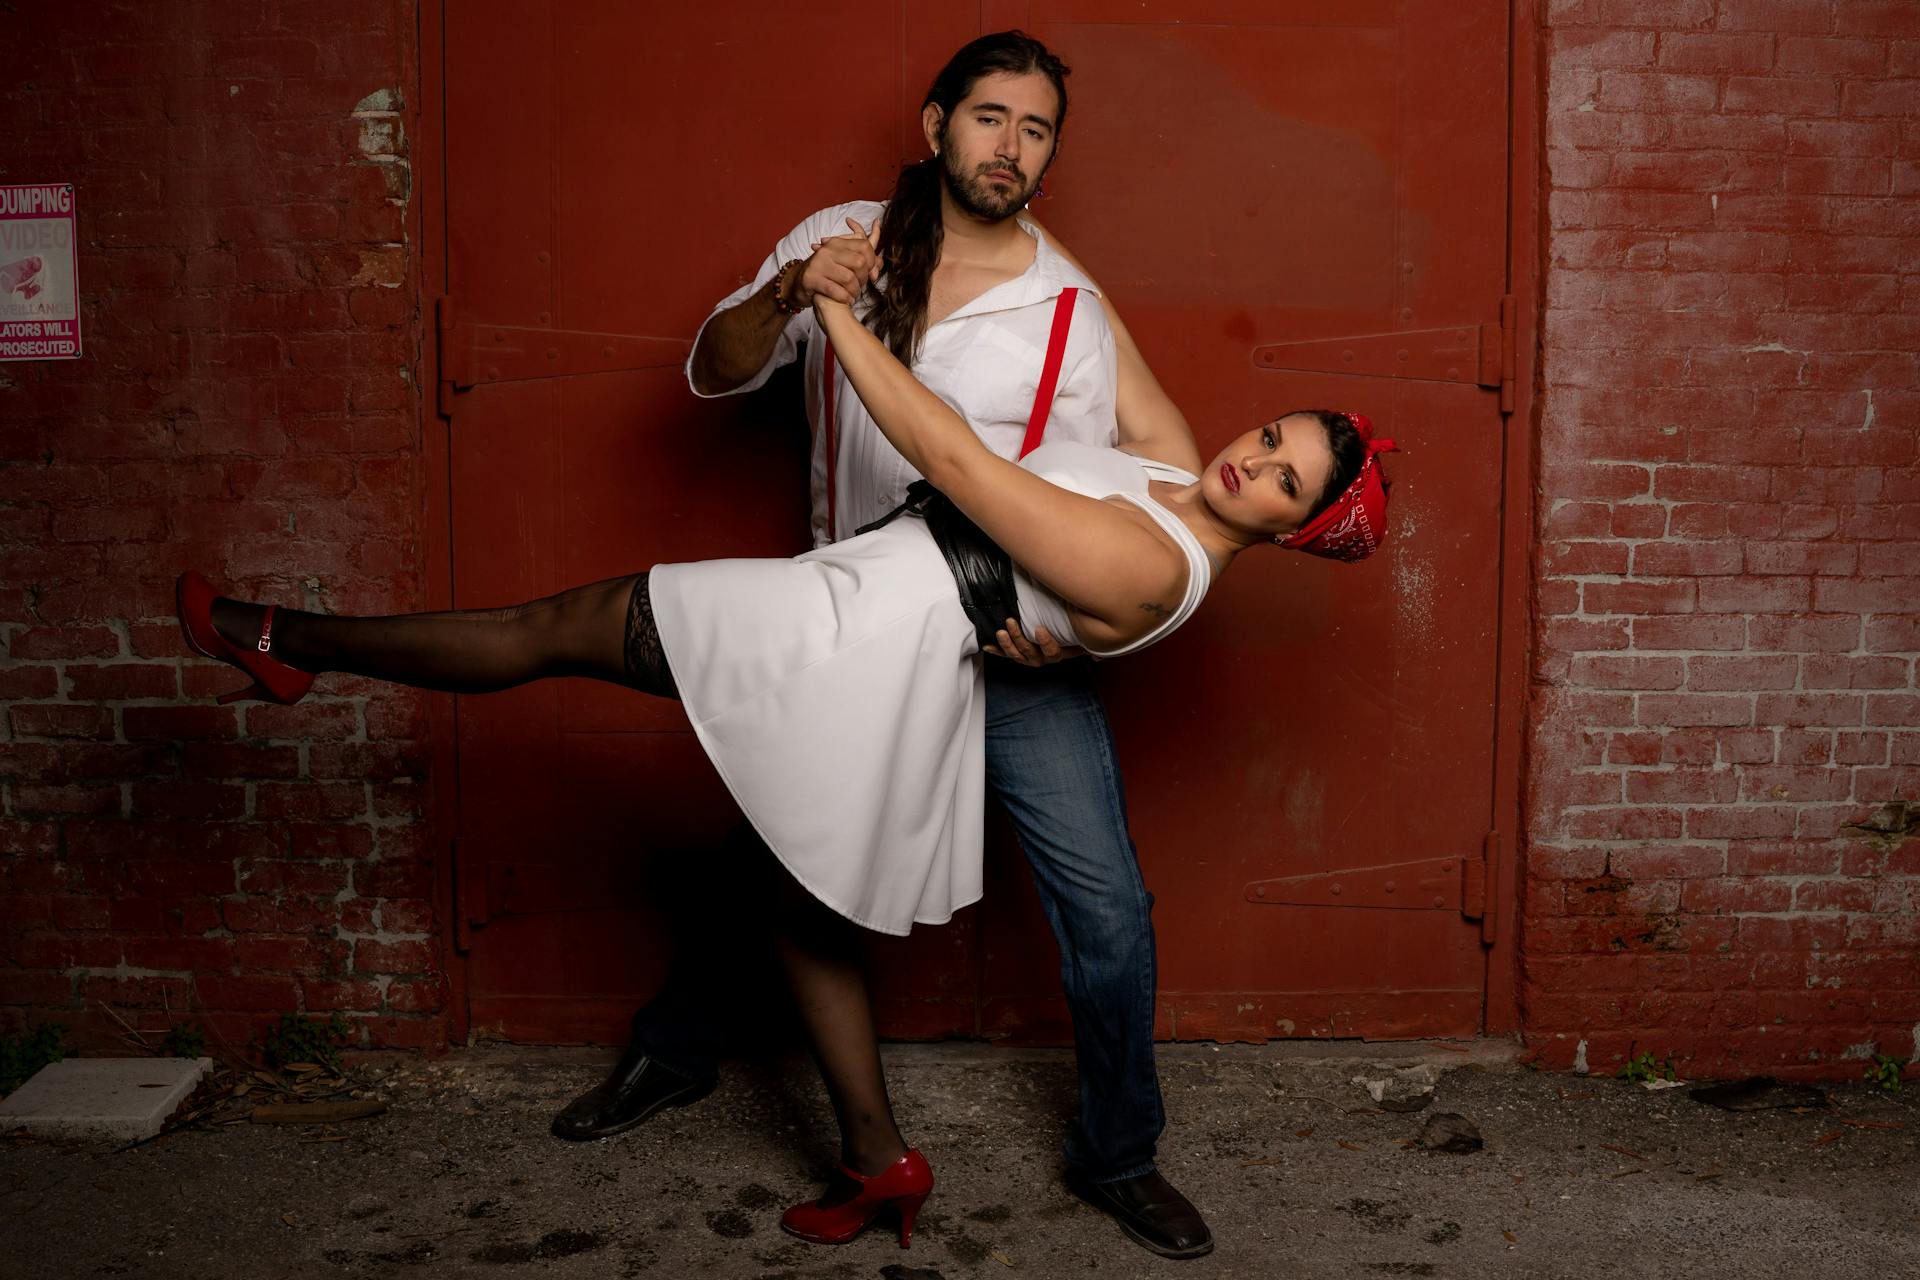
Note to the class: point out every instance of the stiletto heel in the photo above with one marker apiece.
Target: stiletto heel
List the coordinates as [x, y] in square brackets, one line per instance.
[909, 1213]
[273, 680]
[903, 1185]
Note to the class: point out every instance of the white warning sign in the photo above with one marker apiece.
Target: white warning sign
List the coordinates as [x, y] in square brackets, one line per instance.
[39, 273]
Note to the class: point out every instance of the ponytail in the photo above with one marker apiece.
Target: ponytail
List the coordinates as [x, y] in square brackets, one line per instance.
[910, 239]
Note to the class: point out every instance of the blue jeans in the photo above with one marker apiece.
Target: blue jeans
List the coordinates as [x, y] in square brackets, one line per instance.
[1050, 759]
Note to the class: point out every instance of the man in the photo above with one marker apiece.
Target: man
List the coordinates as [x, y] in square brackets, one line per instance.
[1007, 329]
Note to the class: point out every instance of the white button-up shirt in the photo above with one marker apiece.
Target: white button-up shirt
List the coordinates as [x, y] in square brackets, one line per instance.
[984, 360]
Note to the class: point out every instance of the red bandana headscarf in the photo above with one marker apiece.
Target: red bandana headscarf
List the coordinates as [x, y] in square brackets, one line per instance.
[1356, 522]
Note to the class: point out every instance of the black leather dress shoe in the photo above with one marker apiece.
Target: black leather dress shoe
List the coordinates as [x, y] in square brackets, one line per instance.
[1149, 1209]
[636, 1089]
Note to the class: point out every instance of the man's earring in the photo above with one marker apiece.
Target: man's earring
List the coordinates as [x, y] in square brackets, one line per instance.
[1040, 192]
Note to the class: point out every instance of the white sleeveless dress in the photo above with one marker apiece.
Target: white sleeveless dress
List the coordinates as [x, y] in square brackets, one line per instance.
[840, 697]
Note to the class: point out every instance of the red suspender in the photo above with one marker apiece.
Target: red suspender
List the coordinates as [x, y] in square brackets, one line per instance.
[828, 376]
[1050, 372]
[1036, 421]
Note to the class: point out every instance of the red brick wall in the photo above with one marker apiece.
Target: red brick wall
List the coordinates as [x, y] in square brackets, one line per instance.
[248, 404]
[1727, 585]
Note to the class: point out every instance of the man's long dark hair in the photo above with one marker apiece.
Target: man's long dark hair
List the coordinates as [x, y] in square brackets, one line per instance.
[912, 231]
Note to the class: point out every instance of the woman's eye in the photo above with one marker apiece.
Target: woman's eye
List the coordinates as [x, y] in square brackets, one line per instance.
[1266, 437]
[1286, 482]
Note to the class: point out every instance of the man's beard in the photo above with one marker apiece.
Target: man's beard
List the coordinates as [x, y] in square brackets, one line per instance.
[981, 198]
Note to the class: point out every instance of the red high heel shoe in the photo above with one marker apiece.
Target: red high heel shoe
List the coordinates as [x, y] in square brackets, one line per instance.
[905, 1184]
[273, 680]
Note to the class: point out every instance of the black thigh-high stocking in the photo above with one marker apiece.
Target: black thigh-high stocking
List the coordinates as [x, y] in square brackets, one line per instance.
[822, 954]
[604, 631]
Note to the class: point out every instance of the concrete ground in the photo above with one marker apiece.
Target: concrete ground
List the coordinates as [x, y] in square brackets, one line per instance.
[1296, 1169]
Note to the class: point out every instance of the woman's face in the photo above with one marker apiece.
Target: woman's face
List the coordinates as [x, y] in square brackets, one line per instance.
[1265, 481]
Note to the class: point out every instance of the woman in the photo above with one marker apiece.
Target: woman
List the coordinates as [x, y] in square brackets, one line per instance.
[838, 693]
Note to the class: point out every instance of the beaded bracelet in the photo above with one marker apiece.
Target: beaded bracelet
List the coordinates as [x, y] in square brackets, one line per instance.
[780, 303]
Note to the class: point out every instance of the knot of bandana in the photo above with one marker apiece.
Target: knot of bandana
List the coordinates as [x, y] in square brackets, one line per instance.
[1352, 527]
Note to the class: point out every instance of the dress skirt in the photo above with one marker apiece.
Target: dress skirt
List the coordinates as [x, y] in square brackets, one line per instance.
[840, 697]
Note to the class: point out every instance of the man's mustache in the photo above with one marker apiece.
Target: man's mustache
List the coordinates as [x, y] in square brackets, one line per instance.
[1003, 166]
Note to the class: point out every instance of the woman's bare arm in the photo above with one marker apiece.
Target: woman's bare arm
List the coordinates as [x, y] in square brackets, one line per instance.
[1109, 565]
[1151, 424]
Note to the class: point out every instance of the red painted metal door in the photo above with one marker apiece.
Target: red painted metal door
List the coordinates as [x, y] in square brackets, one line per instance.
[1295, 202]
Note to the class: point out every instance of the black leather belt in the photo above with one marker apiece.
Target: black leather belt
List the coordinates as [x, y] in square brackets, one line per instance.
[981, 570]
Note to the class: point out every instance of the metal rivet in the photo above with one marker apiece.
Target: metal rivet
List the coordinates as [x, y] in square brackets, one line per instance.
[1334, 890]
[1453, 375]
[493, 374]
[1389, 886]
[1401, 356]
[499, 336]
[553, 353]
[607, 352]
[1260, 891]
[1346, 357]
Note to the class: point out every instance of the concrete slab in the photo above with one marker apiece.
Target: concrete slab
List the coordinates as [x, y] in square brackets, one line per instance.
[1300, 1175]
[93, 1099]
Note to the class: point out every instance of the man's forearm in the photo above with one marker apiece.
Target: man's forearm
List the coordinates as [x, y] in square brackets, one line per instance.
[737, 342]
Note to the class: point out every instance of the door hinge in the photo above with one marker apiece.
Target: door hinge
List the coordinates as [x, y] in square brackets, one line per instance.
[1482, 354]
[469, 897]
[474, 353]
[1430, 884]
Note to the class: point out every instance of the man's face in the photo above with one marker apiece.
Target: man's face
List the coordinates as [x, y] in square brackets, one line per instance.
[997, 144]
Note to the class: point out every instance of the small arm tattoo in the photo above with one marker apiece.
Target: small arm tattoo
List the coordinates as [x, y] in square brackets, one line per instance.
[1157, 610]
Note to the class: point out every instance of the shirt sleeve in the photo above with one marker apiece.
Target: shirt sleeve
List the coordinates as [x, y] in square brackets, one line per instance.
[797, 243]
[1089, 374]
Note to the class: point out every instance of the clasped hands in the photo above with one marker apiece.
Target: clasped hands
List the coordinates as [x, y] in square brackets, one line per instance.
[840, 269]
